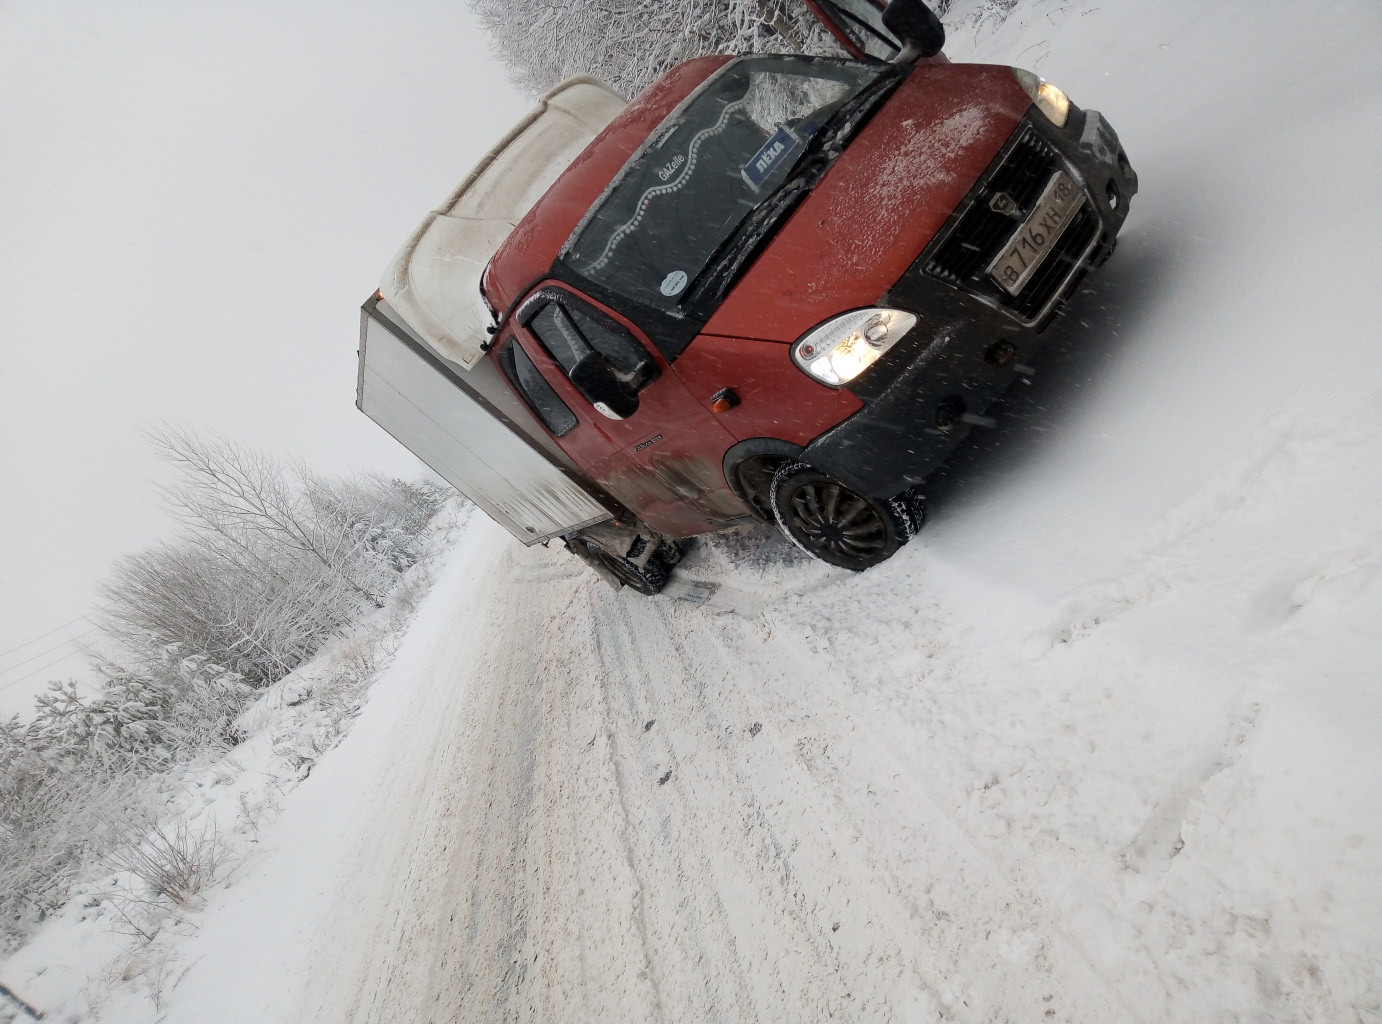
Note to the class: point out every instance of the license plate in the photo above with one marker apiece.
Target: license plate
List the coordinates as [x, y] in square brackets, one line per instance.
[1029, 245]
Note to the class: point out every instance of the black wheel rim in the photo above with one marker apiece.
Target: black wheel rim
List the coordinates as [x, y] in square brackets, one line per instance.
[835, 522]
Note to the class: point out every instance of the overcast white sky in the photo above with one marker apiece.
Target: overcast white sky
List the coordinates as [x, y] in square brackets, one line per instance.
[195, 198]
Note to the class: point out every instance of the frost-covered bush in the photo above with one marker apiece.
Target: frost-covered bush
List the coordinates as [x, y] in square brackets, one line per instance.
[629, 43]
[174, 861]
[256, 609]
[385, 517]
[171, 711]
[274, 559]
[55, 811]
[71, 778]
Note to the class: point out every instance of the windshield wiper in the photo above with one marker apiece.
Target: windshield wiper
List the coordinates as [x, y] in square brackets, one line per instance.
[722, 267]
[842, 125]
[822, 149]
[725, 259]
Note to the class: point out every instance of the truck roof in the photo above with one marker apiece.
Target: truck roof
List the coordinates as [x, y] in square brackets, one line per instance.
[434, 281]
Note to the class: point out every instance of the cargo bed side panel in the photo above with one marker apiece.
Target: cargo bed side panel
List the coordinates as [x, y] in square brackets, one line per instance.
[448, 429]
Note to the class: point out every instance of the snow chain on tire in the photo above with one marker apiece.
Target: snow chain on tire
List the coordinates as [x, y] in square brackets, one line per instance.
[898, 519]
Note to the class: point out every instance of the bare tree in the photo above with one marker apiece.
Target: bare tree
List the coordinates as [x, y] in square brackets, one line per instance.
[274, 560]
[249, 499]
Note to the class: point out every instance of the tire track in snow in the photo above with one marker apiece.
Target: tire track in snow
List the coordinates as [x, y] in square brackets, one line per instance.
[982, 946]
[556, 871]
[952, 866]
[800, 972]
[653, 636]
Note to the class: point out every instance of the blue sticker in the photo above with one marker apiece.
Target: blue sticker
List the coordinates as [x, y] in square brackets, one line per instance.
[766, 160]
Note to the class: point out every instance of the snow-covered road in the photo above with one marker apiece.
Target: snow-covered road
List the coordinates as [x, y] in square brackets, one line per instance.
[645, 810]
[652, 811]
[1104, 743]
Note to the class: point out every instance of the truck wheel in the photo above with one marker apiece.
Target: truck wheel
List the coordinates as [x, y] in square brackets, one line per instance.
[649, 579]
[831, 522]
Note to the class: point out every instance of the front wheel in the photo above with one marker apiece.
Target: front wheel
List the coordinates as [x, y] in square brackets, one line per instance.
[838, 525]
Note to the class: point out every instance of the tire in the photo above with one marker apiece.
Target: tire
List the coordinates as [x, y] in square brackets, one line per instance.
[754, 477]
[838, 525]
[649, 580]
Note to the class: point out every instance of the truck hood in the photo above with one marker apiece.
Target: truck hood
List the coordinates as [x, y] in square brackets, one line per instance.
[879, 206]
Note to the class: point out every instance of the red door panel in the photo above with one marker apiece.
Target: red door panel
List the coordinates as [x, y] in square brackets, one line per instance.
[679, 444]
[775, 398]
[665, 462]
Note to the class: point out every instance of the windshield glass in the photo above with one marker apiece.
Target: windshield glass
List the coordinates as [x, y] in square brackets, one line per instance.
[708, 167]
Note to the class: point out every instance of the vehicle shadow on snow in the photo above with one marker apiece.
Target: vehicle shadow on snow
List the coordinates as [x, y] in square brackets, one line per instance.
[1109, 313]
[746, 568]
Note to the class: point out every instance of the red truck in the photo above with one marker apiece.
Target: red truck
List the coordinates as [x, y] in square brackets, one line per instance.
[771, 287]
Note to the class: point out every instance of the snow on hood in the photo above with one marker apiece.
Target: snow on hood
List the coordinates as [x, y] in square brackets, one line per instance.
[434, 281]
[875, 211]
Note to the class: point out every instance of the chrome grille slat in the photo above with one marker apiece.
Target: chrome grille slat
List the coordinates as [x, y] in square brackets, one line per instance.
[978, 231]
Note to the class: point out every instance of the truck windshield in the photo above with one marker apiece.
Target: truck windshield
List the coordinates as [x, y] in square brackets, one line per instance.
[708, 168]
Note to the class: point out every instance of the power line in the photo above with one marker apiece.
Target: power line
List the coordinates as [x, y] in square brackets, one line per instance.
[41, 668]
[35, 657]
[50, 632]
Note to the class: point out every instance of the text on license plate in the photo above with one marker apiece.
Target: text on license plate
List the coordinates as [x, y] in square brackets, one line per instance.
[1028, 246]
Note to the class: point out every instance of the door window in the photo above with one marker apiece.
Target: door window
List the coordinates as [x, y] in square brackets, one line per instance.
[545, 403]
[861, 21]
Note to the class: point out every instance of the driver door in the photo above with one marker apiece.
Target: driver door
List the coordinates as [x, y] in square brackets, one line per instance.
[857, 26]
[664, 459]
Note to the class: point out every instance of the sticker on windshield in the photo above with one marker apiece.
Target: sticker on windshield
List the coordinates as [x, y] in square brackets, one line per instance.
[762, 164]
[673, 283]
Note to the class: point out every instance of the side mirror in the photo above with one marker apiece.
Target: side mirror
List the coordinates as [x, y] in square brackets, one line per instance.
[917, 26]
[596, 378]
[643, 374]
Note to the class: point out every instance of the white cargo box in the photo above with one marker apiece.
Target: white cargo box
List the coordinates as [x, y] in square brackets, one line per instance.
[469, 442]
[423, 376]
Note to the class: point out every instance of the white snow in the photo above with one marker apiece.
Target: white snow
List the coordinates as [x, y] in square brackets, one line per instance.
[1104, 743]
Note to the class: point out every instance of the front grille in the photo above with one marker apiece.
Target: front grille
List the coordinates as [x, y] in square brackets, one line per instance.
[976, 233]
[1063, 257]
[974, 241]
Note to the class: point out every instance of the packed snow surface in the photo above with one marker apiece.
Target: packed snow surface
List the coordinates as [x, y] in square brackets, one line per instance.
[1104, 743]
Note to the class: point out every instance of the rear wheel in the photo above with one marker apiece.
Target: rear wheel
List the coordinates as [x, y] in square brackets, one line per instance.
[648, 579]
[836, 524]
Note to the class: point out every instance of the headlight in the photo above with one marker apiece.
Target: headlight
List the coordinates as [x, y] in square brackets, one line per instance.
[840, 349]
[1048, 98]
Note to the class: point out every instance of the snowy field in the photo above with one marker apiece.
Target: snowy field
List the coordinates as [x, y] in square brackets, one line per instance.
[1103, 744]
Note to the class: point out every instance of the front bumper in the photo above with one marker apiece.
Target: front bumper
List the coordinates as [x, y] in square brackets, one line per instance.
[971, 338]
